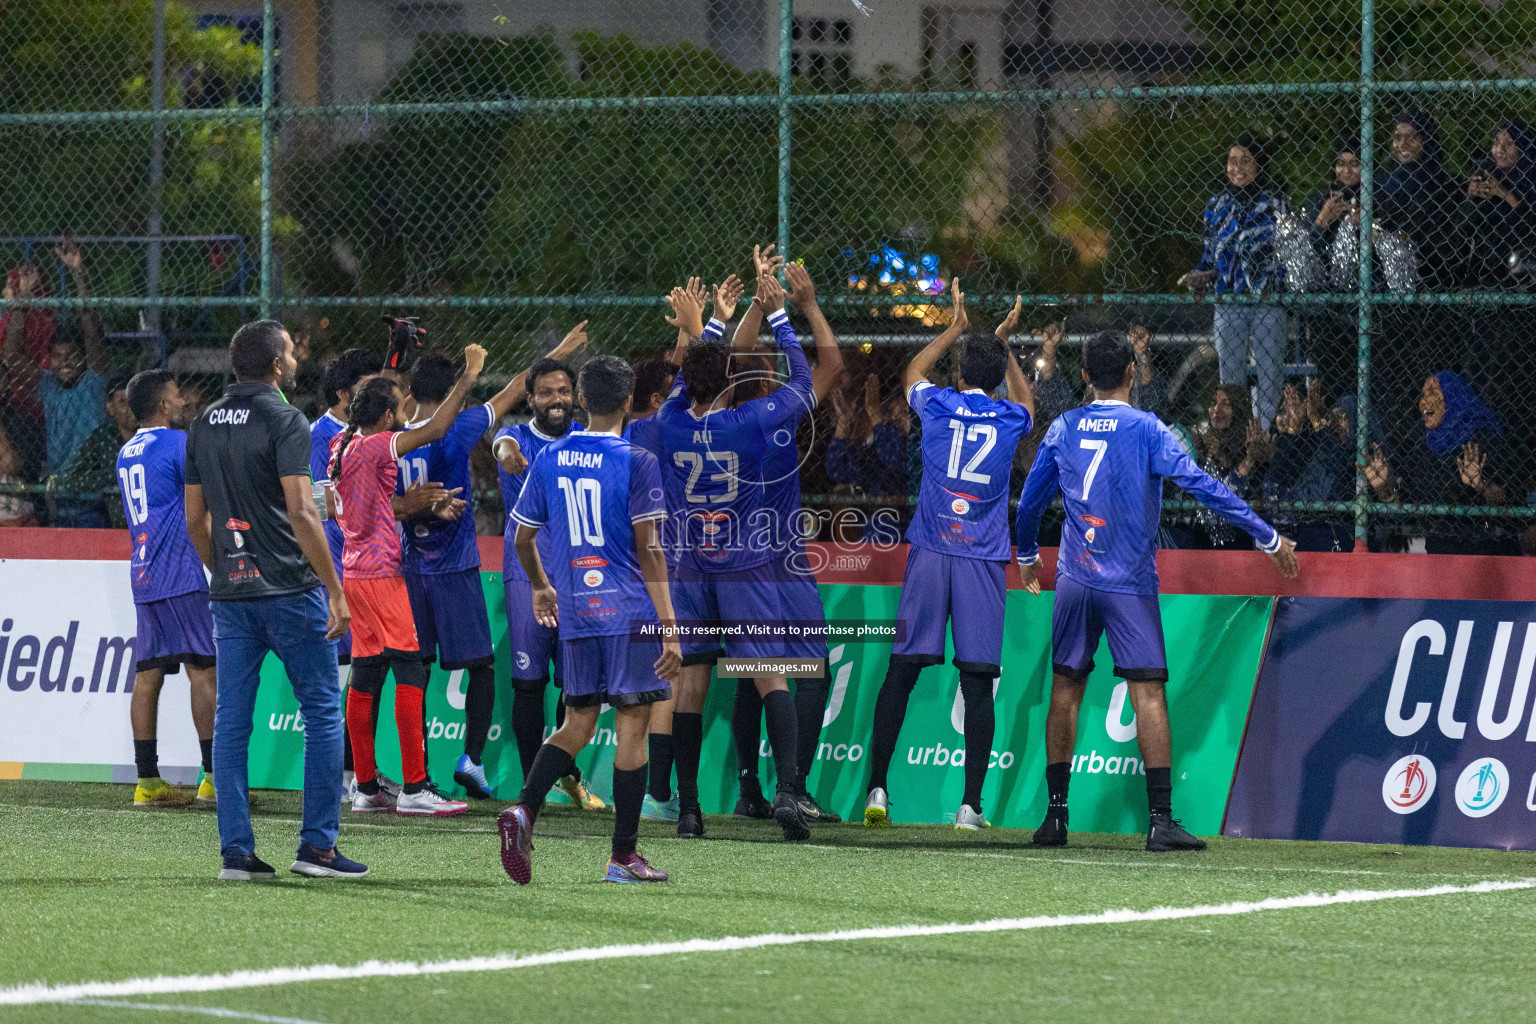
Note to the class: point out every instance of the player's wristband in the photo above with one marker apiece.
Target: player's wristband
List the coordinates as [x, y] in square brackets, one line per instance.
[1029, 559]
[1272, 546]
[778, 318]
[714, 329]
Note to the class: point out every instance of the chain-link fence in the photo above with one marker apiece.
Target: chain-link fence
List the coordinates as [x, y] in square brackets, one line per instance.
[1313, 217]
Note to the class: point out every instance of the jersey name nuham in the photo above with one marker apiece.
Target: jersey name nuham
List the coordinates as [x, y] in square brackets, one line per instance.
[581, 460]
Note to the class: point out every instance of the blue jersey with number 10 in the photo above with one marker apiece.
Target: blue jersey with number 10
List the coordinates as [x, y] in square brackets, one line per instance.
[151, 473]
[1109, 461]
[969, 439]
[531, 441]
[585, 492]
[436, 547]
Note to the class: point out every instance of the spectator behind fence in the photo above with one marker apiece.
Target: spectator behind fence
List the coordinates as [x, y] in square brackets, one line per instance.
[88, 485]
[1056, 392]
[868, 454]
[1231, 448]
[15, 509]
[1461, 462]
[21, 412]
[1239, 260]
[1333, 333]
[72, 387]
[1314, 460]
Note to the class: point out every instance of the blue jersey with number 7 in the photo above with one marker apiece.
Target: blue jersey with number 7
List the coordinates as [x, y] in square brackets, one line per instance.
[969, 440]
[1109, 461]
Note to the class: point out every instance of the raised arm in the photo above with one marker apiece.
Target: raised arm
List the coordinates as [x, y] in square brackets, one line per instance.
[829, 358]
[96, 356]
[1020, 391]
[922, 363]
[442, 419]
[505, 400]
[688, 317]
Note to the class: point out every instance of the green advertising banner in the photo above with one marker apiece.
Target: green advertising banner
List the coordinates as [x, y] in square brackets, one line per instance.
[1214, 646]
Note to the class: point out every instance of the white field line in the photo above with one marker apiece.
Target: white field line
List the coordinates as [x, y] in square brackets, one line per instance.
[206, 1011]
[1167, 865]
[41, 992]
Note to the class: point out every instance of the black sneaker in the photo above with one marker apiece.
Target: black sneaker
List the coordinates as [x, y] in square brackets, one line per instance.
[246, 867]
[314, 864]
[814, 812]
[690, 823]
[1053, 830]
[753, 805]
[786, 811]
[1166, 835]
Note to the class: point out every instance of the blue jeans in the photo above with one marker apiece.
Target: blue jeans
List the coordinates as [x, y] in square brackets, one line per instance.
[1261, 328]
[293, 627]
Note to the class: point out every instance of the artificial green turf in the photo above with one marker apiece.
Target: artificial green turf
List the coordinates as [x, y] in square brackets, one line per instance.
[94, 891]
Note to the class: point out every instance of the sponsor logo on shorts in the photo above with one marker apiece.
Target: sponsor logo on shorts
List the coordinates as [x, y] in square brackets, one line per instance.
[236, 524]
[959, 506]
[592, 578]
[1092, 520]
[589, 562]
[523, 661]
[1409, 784]
[1482, 787]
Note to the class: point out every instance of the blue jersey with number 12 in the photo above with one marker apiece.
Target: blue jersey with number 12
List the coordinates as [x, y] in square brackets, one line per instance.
[1109, 460]
[436, 547]
[585, 492]
[151, 473]
[969, 439]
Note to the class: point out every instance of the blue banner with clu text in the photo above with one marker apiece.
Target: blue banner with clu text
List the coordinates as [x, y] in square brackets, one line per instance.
[1392, 721]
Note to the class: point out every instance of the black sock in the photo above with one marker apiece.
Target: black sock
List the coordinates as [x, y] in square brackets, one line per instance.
[1058, 777]
[369, 788]
[207, 748]
[146, 755]
[661, 766]
[548, 765]
[810, 709]
[528, 725]
[746, 728]
[688, 741]
[890, 710]
[980, 725]
[479, 703]
[628, 795]
[779, 711]
[575, 772]
[1160, 790]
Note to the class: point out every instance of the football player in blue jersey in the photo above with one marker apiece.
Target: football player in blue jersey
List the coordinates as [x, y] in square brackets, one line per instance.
[799, 594]
[170, 590]
[1108, 460]
[551, 395]
[715, 469]
[653, 382]
[441, 558]
[600, 576]
[958, 546]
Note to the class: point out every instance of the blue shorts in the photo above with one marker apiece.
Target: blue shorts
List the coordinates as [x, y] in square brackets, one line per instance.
[175, 631]
[800, 601]
[724, 598]
[533, 646]
[613, 670]
[452, 626]
[967, 594]
[1134, 623]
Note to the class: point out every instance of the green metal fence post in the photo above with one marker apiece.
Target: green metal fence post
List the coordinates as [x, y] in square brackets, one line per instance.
[1367, 162]
[786, 71]
[268, 35]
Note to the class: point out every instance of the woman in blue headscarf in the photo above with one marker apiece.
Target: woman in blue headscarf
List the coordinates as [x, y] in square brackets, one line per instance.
[1459, 463]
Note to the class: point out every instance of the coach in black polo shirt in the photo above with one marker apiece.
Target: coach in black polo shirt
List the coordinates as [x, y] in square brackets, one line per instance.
[252, 518]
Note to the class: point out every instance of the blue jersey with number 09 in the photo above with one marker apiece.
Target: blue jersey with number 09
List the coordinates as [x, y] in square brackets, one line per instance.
[532, 441]
[1109, 461]
[969, 440]
[438, 546]
[715, 463]
[585, 492]
[151, 474]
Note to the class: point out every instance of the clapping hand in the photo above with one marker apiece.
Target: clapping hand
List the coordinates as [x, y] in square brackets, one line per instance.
[727, 294]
